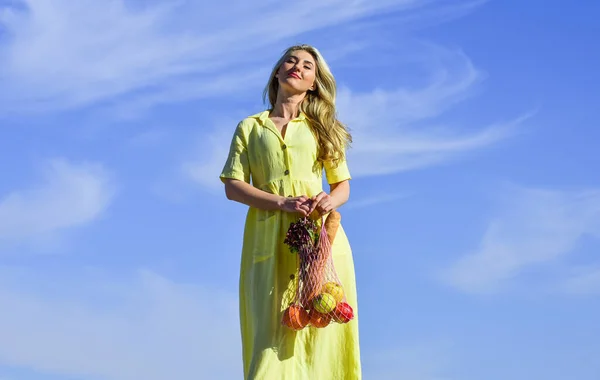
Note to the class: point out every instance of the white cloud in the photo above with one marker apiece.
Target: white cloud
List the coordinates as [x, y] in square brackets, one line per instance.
[71, 195]
[148, 328]
[533, 227]
[390, 127]
[75, 53]
[72, 54]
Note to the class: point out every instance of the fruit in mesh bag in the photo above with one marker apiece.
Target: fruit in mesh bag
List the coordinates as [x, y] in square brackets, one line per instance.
[335, 290]
[319, 320]
[343, 313]
[295, 317]
[324, 303]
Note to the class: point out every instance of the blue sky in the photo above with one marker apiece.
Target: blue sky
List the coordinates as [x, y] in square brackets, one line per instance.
[474, 214]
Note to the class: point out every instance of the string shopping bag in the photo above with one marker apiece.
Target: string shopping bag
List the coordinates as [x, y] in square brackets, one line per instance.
[318, 296]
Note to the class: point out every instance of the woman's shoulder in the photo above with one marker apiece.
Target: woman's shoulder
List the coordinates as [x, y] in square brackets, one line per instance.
[253, 120]
[257, 117]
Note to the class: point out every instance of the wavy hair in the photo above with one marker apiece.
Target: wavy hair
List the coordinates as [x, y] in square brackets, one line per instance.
[318, 105]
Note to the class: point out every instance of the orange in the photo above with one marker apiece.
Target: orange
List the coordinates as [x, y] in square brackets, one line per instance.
[319, 320]
[295, 317]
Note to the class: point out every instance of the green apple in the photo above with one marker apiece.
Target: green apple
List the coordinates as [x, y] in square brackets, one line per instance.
[324, 303]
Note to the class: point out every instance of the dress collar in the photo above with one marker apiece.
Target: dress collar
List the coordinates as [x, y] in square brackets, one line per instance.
[264, 115]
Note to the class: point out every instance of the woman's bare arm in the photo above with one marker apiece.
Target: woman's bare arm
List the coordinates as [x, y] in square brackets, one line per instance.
[243, 192]
[340, 193]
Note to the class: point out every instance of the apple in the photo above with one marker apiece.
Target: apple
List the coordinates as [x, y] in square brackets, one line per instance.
[343, 313]
[324, 303]
[335, 290]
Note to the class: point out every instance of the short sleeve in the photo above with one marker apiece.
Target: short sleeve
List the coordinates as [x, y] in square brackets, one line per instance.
[336, 173]
[237, 165]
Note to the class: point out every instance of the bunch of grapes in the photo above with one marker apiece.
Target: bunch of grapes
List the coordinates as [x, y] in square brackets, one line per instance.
[302, 235]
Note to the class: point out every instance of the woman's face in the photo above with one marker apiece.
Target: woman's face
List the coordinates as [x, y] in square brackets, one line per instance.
[298, 72]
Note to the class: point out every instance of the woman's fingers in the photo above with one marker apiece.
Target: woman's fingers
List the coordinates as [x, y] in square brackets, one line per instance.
[325, 206]
[302, 205]
[317, 199]
[323, 203]
[303, 208]
[305, 205]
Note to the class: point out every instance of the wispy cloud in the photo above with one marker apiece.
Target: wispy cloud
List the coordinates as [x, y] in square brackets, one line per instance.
[148, 327]
[533, 227]
[395, 130]
[129, 58]
[69, 195]
[76, 53]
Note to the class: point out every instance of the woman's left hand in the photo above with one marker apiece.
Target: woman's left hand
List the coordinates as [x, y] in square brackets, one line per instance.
[321, 202]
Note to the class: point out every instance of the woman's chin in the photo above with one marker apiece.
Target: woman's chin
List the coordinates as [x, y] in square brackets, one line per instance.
[292, 88]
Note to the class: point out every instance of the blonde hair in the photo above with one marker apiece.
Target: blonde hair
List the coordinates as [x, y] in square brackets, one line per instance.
[318, 106]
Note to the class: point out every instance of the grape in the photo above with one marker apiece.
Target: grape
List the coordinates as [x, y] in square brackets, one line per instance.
[300, 236]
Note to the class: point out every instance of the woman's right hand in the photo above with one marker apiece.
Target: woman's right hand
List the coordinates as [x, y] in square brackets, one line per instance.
[299, 204]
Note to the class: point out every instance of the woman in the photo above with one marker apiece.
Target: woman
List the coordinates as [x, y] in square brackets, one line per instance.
[275, 166]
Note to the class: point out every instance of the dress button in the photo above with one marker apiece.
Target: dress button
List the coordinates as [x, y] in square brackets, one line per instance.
[291, 276]
[286, 172]
[284, 147]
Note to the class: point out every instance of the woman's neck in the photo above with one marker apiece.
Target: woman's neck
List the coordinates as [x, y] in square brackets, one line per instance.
[287, 107]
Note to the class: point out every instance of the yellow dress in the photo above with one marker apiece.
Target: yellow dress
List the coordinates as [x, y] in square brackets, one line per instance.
[286, 166]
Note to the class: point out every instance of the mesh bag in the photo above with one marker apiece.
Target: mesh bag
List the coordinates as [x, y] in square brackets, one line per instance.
[318, 297]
